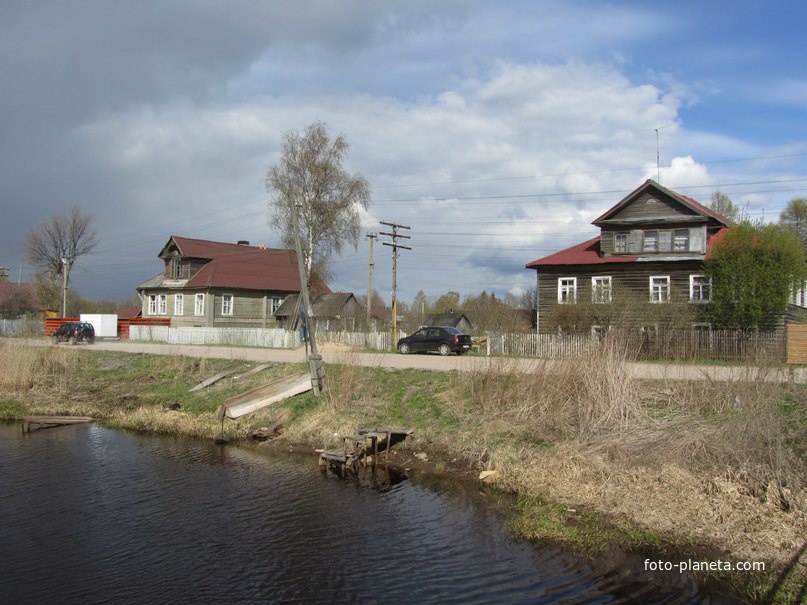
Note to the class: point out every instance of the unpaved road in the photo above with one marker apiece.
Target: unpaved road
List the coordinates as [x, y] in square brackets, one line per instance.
[465, 363]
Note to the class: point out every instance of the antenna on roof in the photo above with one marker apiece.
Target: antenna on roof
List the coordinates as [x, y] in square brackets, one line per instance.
[658, 157]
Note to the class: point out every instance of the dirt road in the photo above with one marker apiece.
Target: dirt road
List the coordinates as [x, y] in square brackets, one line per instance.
[464, 363]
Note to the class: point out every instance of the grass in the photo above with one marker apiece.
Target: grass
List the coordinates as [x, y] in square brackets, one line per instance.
[596, 458]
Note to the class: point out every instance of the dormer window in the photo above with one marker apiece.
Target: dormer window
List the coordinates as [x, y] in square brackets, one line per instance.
[681, 240]
[175, 268]
[620, 243]
[650, 242]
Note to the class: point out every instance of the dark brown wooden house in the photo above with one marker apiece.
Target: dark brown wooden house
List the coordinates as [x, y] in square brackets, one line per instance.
[651, 248]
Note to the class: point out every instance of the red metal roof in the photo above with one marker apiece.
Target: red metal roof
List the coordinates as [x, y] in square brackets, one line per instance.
[585, 253]
[240, 266]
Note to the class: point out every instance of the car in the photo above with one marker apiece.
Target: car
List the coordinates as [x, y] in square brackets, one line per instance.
[73, 332]
[435, 339]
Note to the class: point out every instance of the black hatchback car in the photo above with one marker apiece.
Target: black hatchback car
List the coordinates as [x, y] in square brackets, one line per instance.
[73, 332]
[435, 339]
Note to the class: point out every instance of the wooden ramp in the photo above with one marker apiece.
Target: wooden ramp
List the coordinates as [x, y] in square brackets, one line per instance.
[365, 442]
[267, 394]
[34, 423]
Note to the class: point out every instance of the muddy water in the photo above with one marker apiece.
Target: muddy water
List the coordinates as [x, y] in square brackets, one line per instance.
[91, 515]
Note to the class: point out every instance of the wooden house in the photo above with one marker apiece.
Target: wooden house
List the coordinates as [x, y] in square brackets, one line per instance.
[651, 248]
[338, 311]
[206, 283]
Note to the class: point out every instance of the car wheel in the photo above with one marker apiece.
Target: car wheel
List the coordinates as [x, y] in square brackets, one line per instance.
[444, 350]
[72, 340]
[404, 348]
[54, 339]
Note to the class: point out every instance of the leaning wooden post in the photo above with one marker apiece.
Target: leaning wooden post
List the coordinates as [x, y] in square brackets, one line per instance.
[314, 359]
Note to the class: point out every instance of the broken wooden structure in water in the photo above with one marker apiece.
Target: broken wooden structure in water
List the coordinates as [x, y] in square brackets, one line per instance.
[366, 442]
[34, 423]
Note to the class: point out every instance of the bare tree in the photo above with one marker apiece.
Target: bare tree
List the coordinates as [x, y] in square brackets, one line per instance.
[309, 179]
[794, 216]
[58, 242]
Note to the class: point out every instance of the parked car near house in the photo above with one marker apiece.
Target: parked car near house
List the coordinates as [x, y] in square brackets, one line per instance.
[435, 339]
[73, 332]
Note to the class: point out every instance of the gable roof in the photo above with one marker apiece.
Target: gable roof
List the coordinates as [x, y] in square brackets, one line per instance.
[450, 319]
[714, 218]
[237, 266]
[323, 305]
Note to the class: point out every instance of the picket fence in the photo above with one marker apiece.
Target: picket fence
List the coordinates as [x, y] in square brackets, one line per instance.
[669, 345]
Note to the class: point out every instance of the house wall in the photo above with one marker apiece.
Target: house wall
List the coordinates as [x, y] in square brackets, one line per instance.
[249, 309]
[627, 282]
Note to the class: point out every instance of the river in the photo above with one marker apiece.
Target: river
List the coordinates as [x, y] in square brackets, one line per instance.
[92, 515]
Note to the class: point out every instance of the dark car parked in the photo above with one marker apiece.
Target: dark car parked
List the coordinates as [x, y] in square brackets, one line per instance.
[436, 339]
[74, 332]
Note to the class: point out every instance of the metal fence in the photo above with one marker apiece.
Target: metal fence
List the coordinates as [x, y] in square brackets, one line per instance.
[21, 327]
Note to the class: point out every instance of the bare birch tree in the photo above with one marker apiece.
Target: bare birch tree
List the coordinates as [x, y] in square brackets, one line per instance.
[55, 245]
[310, 179]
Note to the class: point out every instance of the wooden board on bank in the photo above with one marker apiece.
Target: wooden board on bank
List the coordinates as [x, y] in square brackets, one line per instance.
[267, 394]
[34, 423]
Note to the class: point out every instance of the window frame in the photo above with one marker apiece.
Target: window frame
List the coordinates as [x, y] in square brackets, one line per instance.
[568, 288]
[701, 299]
[684, 237]
[651, 235]
[663, 294]
[162, 304]
[621, 242]
[605, 292]
[152, 305]
[179, 304]
[199, 304]
[227, 304]
[274, 304]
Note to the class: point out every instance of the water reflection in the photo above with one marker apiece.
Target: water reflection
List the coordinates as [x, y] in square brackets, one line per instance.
[92, 515]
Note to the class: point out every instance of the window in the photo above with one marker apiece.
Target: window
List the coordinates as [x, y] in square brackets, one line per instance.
[797, 296]
[162, 304]
[681, 240]
[699, 289]
[620, 243]
[650, 243]
[659, 288]
[275, 304]
[199, 304]
[226, 304]
[152, 304]
[567, 290]
[179, 304]
[176, 268]
[601, 289]
[599, 332]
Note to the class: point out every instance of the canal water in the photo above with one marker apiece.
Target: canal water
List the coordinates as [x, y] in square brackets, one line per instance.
[92, 515]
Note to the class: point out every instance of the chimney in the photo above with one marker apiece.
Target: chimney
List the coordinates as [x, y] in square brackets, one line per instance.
[243, 242]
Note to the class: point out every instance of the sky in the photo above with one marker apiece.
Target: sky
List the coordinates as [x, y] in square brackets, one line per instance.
[496, 130]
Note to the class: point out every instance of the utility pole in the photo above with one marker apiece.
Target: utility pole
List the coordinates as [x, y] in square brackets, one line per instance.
[395, 245]
[65, 280]
[371, 237]
[314, 359]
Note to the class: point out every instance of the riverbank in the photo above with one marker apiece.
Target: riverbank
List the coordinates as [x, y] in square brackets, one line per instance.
[601, 462]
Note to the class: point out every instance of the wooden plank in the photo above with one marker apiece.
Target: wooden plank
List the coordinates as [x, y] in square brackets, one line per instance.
[260, 397]
[211, 380]
[34, 423]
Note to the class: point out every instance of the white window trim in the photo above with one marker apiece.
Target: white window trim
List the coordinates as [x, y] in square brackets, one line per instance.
[227, 303]
[162, 304]
[624, 248]
[179, 304]
[602, 290]
[199, 305]
[662, 299]
[152, 306]
[692, 298]
[572, 290]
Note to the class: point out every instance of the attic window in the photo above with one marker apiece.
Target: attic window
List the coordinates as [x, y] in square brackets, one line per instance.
[650, 243]
[175, 268]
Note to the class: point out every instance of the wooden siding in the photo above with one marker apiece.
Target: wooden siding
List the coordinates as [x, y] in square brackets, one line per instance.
[654, 207]
[250, 309]
[632, 279]
[666, 240]
[797, 344]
